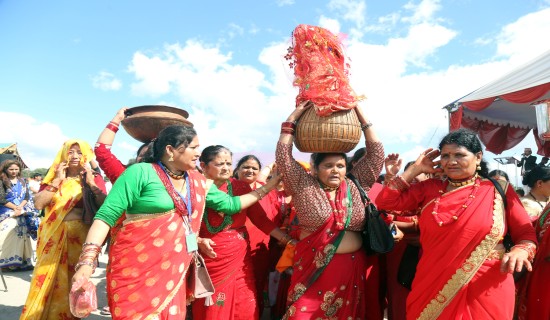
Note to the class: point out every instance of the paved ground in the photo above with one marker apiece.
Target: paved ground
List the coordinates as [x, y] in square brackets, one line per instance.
[12, 300]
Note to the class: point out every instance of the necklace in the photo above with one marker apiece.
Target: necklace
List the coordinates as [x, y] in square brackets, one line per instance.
[532, 196]
[227, 220]
[460, 211]
[463, 183]
[328, 188]
[172, 174]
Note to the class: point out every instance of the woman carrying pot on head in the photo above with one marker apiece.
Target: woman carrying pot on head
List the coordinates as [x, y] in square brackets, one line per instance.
[18, 219]
[62, 230]
[464, 271]
[226, 238]
[331, 215]
[163, 199]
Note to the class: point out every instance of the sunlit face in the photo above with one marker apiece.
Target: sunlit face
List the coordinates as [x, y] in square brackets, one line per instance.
[248, 171]
[219, 168]
[12, 171]
[458, 162]
[331, 171]
[74, 155]
[542, 187]
[186, 158]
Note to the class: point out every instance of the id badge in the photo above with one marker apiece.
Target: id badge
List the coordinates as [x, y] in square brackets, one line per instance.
[191, 241]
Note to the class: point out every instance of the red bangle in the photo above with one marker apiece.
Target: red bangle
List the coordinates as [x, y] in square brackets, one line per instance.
[287, 131]
[51, 188]
[112, 127]
[288, 124]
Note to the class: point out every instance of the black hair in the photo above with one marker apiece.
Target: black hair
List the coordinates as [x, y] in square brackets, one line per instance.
[359, 153]
[175, 136]
[210, 152]
[536, 174]
[245, 159]
[410, 163]
[469, 140]
[319, 157]
[499, 173]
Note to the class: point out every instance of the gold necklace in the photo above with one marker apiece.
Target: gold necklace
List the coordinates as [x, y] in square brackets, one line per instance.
[463, 183]
[172, 174]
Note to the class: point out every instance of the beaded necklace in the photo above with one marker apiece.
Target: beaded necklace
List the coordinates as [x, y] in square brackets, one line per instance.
[460, 211]
[463, 183]
[172, 174]
[227, 220]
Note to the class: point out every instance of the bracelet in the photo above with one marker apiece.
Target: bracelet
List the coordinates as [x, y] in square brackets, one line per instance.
[288, 124]
[287, 131]
[84, 263]
[112, 127]
[415, 224]
[529, 247]
[114, 123]
[258, 193]
[51, 188]
[366, 126]
[289, 241]
[91, 244]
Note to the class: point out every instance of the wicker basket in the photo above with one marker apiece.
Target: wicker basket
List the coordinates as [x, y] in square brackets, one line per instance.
[144, 123]
[339, 132]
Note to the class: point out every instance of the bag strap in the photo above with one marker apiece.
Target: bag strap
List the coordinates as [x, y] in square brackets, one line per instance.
[500, 190]
[364, 196]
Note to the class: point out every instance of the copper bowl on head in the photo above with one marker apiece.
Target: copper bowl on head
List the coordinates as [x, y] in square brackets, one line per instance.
[144, 123]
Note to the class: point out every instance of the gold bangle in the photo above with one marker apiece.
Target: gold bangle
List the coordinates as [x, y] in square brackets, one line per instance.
[258, 193]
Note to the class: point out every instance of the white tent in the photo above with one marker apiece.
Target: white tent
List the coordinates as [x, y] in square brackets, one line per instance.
[501, 111]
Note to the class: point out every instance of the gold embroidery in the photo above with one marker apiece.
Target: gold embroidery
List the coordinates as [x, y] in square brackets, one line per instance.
[320, 259]
[299, 290]
[469, 268]
[130, 218]
[331, 306]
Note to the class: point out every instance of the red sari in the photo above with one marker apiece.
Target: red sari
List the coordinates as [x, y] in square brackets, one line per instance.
[535, 303]
[458, 276]
[146, 276]
[232, 271]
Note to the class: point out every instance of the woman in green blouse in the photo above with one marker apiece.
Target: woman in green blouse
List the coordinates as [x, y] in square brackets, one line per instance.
[163, 199]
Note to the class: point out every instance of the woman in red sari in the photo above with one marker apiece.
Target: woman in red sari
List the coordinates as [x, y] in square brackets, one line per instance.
[535, 301]
[226, 241]
[464, 272]
[163, 199]
[328, 279]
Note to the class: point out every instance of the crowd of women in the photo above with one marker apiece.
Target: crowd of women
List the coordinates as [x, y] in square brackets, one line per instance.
[285, 236]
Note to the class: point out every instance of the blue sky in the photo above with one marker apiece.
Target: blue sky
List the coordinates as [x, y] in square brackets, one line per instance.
[66, 67]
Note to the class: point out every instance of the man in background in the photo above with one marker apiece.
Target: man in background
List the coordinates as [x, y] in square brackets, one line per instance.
[528, 161]
[34, 183]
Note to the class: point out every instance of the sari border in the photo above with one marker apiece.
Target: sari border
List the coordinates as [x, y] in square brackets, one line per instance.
[132, 218]
[471, 265]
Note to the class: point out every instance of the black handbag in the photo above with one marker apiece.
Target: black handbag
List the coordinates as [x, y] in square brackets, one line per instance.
[377, 236]
[407, 265]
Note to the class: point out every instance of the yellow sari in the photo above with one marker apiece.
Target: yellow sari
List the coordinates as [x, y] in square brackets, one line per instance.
[59, 245]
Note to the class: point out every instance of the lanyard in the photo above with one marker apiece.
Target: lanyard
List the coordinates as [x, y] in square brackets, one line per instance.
[186, 201]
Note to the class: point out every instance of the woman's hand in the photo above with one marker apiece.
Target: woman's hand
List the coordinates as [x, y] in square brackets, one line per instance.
[425, 163]
[515, 260]
[300, 109]
[398, 236]
[81, 277]
[120, 115]
[205, 246]
[61, 171]
[17, 211]
[393, 164]
[88, 176]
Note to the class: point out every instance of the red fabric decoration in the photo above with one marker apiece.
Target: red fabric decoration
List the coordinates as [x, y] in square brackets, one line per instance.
[527, 95]
[543, 146]
[320, 70]
[478, 105]
[496, 138]
[456, 119]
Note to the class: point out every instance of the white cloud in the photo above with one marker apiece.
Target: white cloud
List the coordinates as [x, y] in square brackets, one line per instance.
[106, 81]
[422, 12]
[332, 25]
[282, 3]
[37, 143]
[350, 10]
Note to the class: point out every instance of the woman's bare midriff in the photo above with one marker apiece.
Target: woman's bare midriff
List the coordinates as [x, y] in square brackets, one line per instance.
[351, 241]
[74, 214]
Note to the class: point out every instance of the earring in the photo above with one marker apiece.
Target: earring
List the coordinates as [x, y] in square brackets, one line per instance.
[478, 168]
[171, 157]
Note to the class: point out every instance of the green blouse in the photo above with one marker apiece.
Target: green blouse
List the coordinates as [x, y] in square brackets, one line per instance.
[139, 190]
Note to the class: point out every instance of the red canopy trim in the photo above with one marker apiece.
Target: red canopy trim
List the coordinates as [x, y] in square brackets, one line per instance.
[521, 96]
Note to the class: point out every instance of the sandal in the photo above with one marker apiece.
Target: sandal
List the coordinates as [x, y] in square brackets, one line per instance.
[105, 311]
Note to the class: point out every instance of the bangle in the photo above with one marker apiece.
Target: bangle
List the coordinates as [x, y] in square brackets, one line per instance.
[288, 124]
[258, 193]
[112, 127]
[415, 224]
[114, 123]
[531, 249]
[84, 263]
[366, 126]
[289, 241]
[51, 188]
[287, 131]
[91, 244]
